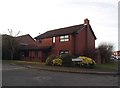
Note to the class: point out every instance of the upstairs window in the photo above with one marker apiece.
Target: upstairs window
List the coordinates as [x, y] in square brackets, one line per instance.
[53, 39]
[64, 38]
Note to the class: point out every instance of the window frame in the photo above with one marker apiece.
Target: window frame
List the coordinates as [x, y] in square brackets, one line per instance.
[53, 39]
[64, 38]
[64, 52]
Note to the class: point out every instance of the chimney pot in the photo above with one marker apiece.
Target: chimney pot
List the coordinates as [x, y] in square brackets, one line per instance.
[86, 21]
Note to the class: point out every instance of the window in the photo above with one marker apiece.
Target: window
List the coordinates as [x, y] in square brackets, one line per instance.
[64, 38]
[64, 52]
[53, 39]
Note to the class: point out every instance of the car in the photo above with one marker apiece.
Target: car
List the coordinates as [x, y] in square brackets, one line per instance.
[113, 58]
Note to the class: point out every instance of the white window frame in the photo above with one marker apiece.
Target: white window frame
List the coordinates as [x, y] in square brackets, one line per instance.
[64, 52]
[54, 40]
[64, 38]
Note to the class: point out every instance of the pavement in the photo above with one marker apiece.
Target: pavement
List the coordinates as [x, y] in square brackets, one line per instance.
[41, 66]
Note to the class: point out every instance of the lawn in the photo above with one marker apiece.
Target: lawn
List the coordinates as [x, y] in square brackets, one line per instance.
[112, 66]
[107, 66]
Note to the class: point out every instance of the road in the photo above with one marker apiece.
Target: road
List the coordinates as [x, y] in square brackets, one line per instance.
[13, 75]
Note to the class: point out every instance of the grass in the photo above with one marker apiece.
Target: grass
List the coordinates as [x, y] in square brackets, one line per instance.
[113, 66]
[23, 62]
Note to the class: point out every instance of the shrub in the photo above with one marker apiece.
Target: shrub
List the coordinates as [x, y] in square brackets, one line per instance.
[57, 61]
[87, 62]
[66, 59]
[105, 50]
[49, 60]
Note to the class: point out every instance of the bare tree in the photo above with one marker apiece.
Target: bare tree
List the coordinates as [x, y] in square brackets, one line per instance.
[10, 43]
[105, 52]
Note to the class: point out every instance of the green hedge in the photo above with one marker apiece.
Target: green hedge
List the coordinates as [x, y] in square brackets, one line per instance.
[66, 60]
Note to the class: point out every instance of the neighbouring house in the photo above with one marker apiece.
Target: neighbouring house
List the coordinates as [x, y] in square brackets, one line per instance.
[24, 47]
[74, 40]
[26, 42]
[18, 44]
[116, 54]
[28, 48]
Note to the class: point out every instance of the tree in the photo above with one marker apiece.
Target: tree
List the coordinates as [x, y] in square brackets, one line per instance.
[10, 44]
[105, 52]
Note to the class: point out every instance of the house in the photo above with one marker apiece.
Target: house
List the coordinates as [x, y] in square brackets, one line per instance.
[26, 46]
[74, 40]
[116, 54]
[12, 44]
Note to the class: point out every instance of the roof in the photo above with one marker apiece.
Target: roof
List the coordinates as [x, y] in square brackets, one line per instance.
[6, 36]
[25, 39]
[60, 31]
[92, 32]
[63, 31]
[33, 47]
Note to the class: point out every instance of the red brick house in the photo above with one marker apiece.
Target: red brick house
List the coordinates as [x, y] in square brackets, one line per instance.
[74, 40]
[20, 49]
[26, 42]
[29, 50]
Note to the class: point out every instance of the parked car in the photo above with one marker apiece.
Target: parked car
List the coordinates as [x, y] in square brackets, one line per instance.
[113, 58]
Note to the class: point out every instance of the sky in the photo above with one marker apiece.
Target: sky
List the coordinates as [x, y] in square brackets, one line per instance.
[35, 17]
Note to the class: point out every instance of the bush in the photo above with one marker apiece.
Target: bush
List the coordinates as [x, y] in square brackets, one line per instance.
[49, 60]
[105, 50]
[87, 62]
[66, 59]
[57, 61]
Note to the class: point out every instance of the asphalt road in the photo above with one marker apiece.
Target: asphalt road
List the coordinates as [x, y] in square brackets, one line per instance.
[13, 75]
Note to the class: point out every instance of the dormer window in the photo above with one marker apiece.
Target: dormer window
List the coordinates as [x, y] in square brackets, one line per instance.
[64, 38]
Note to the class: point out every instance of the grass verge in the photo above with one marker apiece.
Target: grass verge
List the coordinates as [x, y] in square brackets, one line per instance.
[113, 66]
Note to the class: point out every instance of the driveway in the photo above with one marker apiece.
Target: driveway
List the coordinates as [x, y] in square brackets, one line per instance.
[14, 75]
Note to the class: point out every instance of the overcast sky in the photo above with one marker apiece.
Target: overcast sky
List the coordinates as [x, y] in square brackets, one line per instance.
[38, 16]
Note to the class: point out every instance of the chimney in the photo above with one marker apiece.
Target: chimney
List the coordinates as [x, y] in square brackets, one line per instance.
[86, 21]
